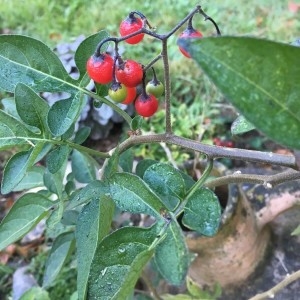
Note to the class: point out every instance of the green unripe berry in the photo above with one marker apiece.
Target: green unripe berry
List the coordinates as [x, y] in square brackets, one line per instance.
[155, 88]
[117, 92]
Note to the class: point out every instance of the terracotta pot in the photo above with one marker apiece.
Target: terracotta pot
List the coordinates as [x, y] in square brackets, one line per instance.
[233, 254]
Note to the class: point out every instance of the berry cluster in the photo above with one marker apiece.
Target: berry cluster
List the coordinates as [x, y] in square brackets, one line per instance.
[124, 76]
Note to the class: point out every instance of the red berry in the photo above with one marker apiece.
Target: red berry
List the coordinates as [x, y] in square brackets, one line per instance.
[131, 94]
[146, 105]
[130, 25]
[217, 141]
[100, 68]
[229, 144]
[223, 143]
[189, 33]
[130, 73]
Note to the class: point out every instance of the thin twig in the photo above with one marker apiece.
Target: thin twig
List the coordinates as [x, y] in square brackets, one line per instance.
[268, 180]
[169, 155]
[271, 292]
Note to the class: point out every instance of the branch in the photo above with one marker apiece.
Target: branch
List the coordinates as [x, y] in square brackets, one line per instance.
[212, 151]
[167, 86]
[271, 293]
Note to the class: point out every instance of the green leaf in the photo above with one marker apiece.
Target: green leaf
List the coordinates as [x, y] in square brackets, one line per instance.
[70, 187]
[9, 106]
[87, 48]
[188, 180]
[101, 90]
[94, 190]
[171, 255]
[54, 182]
[112, 165]
[131, 193]
[62, 247]
[12, 132]
[202, 212]
[31, 108]
[241, 125]
[32, 179]
[54, 219]
[119, 261]
[69, 217]
[35, 293]
[44, 148]
[136, 123]
[138, 295]
[16, 168]
[199, 293]
[143, 165]
[167, 182]
[82, 134]
[126, 160]
[69, 133]
[93, 225]
[260, 77]
[296, 231]
[178, 297]
[83, 167]
[29, 61]
[57, 158]
[64, 113]
[22, 217]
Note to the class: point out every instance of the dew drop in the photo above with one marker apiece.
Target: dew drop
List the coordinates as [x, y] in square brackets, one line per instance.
[97, 104]
[121, 250]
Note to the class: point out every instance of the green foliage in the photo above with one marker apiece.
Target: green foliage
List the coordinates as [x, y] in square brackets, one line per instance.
[22, 217]
[35, 293]
[83, 167]
[59, 253]
[202, 212]
[5, 275]
[296, 231]
[63, 285]
[31, 108]
[196, 292]
[57, 158]
[93, 225]
[132, 194]
[128, 249]
[172, 255]
[167, 182]
[13, 132]
[233, 63]
[241, 125]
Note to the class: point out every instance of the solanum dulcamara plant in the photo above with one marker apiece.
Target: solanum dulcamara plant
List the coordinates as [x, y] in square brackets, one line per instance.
[101, 185]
